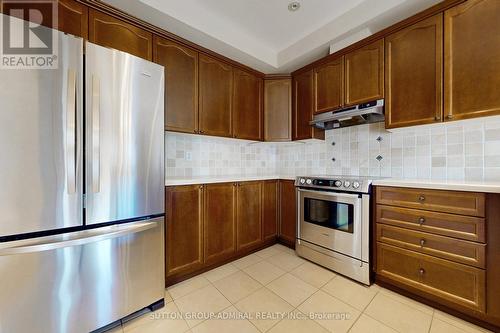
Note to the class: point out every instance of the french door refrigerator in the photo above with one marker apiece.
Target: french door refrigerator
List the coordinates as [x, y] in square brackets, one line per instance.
[81, 190]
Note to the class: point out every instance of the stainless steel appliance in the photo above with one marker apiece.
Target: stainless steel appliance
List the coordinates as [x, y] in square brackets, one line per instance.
[81, 190]
[334, 223]
[365, 113]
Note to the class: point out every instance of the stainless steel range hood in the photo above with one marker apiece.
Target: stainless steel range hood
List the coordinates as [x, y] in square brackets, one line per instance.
[371, 112]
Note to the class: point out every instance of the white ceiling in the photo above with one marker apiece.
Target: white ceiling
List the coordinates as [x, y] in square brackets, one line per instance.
[263, 34]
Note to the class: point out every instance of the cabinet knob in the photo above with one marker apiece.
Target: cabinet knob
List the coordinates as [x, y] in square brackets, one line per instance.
[421, 271]
[437, 118]
[422, 242]
[201, 187]
[421, 198]
[421, 220]
[450, 116]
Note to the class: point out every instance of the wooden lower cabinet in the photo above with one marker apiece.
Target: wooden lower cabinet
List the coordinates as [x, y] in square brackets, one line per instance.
[270, 209]
[248, 214]
[219, 221]
[288, 212]
[184, 229]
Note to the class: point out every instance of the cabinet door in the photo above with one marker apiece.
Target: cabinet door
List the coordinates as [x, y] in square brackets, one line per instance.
[184, 230]
[111, 32]
[270, 200]
[303, 108]
[181, 84]
[413, 74]
[216, 87]
[247, 106]
[329, 86]
[472, 60]
[248, 215]
[364, 74]
[288, 212]
[278, 110]
[219, 222]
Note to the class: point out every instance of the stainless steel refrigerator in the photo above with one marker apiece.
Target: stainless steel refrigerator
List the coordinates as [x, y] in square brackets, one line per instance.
[81, 190]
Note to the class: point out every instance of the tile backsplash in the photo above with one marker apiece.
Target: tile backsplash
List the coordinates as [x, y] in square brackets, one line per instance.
[458, 150]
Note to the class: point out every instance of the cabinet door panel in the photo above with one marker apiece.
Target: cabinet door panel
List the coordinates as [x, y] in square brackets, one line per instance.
[472, 59]
[329, 86]
[247, 106]
[413, 74]
[288, 211]
[270, 200]
[216, 87]
[181, 85]
[278, 110]
[248, 215]
[184, 231]
[303, 108]
[219, 222]
[364, 74]
[111, 32]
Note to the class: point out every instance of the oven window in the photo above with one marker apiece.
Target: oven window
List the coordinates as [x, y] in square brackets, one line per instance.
[329, 214]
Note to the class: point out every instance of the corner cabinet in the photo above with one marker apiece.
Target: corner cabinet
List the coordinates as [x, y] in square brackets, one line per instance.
[364, 74]
[247, 106]
[414, 74]
[184, 229]
[472, 60]
[216, 97]
[303, 94]
[278, 110]
[181, 90]
[106, 30]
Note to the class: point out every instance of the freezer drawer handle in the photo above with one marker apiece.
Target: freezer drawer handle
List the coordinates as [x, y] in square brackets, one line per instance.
[71, 132]
[96, 101]
[78, 238]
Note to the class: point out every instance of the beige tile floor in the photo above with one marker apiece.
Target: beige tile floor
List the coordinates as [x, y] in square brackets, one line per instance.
[275, 291]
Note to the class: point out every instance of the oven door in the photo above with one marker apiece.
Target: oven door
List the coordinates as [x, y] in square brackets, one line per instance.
[331, 220]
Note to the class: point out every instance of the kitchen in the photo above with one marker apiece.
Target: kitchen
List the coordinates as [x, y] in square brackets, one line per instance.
[206, 182]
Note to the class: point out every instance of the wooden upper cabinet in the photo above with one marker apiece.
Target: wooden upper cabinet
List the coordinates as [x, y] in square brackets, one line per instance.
[413, 74]
[278, 110]
[73, 18]
[270, 209]
[248, 215]
[303, 108]
[219, 221]
[329, 86]
[216, 90]
[184, 229]
[288, 211]
[181, 84]
[364, 74]
[247, 106]
[472, 59]
[111, 32]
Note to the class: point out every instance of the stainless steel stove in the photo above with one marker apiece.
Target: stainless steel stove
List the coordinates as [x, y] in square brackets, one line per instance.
[333, 223]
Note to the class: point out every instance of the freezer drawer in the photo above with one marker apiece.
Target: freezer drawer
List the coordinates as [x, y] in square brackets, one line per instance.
[81, 281]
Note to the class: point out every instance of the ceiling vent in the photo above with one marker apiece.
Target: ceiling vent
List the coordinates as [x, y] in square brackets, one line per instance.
[294, 6]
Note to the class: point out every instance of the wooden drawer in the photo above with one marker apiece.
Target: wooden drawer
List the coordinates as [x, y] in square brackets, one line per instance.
[463, 227]
[461, 251]
[464, 203]
[451, 283]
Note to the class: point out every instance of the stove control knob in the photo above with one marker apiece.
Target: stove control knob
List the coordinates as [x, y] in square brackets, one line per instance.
[347, 183]
[338, 183]
[302, 181]
[355, 184]
[308, 181]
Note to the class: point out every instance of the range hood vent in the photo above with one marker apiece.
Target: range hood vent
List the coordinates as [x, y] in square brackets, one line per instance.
[371, 112]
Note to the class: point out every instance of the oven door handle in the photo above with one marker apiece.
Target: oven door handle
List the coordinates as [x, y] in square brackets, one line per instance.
[332, 194]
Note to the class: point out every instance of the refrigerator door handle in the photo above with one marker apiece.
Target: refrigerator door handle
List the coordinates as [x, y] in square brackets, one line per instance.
[71, 132]
[96, 105]
[75, 239]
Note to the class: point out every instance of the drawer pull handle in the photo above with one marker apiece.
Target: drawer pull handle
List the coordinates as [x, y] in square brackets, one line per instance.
[421, 220]
[421, 198]
[422, 242]
[421, 271]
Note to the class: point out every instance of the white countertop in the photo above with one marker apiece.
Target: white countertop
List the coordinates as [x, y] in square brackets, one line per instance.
[442, 184]
[174, 181]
